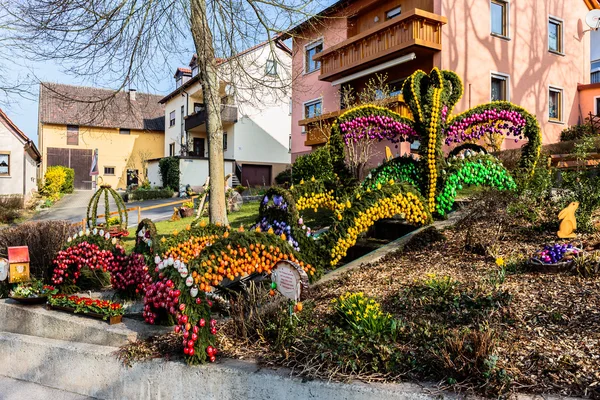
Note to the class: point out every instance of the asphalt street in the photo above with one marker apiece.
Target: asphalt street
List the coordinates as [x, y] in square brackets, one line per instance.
[73, 207]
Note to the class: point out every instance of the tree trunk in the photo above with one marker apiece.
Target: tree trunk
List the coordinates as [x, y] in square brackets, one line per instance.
[207, 69]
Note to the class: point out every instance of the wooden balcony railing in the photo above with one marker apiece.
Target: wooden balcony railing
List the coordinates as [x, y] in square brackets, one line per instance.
[318, 128]
[388, 40]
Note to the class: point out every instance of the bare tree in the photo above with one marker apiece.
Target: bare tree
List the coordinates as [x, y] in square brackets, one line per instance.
[376, 91]
[127, 42]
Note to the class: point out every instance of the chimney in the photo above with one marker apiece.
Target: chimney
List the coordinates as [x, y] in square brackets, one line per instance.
[132, 95]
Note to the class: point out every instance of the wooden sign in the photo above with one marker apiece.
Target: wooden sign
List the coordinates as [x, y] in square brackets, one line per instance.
[290, 280]
[18, 261]
[3, 269]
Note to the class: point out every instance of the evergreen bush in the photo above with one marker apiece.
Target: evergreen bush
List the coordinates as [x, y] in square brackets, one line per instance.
[169, 172]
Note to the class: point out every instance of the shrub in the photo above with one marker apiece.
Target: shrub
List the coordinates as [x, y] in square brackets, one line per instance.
[240, 189]
[150, 194]
[54, 180]
[68, 186]
[576, 131]
[44, 238]
[169, 172]
[317, 164]
[284, 177]
[10, 207]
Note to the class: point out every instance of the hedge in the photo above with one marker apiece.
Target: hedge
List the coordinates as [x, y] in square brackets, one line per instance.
[150, 194]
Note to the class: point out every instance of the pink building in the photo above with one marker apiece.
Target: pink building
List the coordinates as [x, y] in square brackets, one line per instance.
[530, 52]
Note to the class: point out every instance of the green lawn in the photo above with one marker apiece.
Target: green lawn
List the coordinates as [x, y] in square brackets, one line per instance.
[246, 216]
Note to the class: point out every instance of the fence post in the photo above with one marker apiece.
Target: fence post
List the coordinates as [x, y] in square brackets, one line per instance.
[139, 215]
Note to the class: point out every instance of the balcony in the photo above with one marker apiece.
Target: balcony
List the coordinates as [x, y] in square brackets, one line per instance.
[416, 31]
[595, 77]
[229, 115]
[318, 128]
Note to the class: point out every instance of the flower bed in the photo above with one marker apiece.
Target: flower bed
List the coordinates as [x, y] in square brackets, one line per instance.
[103, 309]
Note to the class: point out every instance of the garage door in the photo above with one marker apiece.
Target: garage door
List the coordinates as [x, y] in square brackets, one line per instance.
[256, 175]
[78, 159]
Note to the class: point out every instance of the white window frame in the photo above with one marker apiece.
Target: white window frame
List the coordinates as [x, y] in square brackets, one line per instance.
[172, 117]
[500, 75]
[507, 8]
[172, 147]
[271, 67]
[114, 171]
[561, 40]
[309, 46]
[311, 102]
[393, 12]
[596, 110]
[561, 112]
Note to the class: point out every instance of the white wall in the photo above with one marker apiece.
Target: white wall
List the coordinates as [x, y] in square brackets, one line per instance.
[192, 172]
[595, 45]
[13, 184]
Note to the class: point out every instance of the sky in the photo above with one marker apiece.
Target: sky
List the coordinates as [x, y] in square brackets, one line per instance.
[24, 111]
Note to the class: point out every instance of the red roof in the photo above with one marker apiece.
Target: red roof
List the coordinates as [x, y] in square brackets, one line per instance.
[30, 146]
[18, 254]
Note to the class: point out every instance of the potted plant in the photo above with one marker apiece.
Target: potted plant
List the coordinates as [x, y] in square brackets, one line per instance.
[95, 308]
[187, 209]
[34, 292]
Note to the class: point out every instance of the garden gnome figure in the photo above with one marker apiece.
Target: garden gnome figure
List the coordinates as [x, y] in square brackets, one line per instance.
[568, 222]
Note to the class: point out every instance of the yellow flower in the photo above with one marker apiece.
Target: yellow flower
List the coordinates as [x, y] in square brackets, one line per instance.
[188, 227]
[202, 224]
[500, 261]
[302, 182]
[175, 232]
[163, 240]
[312, 179]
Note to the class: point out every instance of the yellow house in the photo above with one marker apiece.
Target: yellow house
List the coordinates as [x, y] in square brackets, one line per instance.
[125, 128]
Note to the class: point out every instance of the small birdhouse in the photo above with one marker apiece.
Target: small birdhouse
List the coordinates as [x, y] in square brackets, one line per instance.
[18, 261]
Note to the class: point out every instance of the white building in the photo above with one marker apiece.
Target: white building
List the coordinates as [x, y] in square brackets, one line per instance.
[255, 115]
[19, 160]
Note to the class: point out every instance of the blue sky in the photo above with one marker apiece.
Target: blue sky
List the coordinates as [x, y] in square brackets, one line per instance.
[24, 111]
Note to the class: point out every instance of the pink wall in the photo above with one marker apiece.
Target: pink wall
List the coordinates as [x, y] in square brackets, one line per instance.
[587, 98]
[470, 50]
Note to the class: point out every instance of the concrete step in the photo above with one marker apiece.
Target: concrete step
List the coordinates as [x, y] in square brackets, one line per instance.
[15, 389]
[92, 370]
[36, 320]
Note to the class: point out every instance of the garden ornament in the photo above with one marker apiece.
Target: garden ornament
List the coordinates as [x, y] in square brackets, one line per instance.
[568, 222]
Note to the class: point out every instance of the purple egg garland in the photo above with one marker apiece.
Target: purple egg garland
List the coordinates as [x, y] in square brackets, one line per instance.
[377, 127]
[493, 121]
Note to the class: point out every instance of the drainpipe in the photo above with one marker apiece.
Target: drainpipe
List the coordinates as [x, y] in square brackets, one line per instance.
[187, 113]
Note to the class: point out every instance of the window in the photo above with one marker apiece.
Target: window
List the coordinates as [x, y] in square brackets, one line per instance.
[396, 87]
[124, 131]
[171, 149]
[394, 12]
[271, 67]
[309, 51]
[109, 170]
[172, 118]
[555, 104]
[595, 78]
[312, 108]
[499, 87]
[194, 70]
[72, 135]
[4, 163]
[224, 141]
[555, 35]
[178, 81]
[499, 11]
[597, 105]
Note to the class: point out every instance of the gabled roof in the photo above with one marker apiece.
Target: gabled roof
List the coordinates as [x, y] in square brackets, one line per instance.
[592, 4]
[29, 145]
[277, 39]
[87, 106]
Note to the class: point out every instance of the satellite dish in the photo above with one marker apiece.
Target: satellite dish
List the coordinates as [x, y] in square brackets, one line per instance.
[593, 19]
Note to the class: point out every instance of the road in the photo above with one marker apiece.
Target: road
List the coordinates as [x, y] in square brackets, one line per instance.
[73, 207]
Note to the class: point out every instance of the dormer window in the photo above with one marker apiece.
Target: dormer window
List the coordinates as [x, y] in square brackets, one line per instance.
[178, 82]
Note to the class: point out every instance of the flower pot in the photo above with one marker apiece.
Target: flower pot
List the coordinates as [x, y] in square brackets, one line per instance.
[117, 319]
[186, 212]
[30, 300]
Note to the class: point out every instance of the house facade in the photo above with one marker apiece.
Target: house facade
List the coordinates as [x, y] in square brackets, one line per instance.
[19, 160]
[125, 129]
[256, 118]
[530, 53]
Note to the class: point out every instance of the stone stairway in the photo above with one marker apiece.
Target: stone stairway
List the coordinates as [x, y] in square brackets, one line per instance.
[235, 181]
